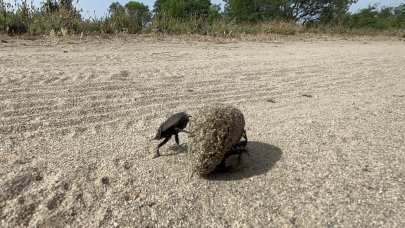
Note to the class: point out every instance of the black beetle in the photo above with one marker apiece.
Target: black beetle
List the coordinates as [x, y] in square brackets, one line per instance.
[237, 149]
[172, 126]
[241, 146]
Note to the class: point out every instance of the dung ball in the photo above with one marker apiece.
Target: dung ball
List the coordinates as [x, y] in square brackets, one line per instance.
[215, 130]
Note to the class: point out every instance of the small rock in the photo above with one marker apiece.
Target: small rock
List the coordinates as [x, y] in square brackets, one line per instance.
[127, 165]
[21, 199]
[105, 180]
[38, 178]
[124, 73]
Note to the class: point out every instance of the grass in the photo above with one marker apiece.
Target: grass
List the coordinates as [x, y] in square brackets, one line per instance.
[21, 18]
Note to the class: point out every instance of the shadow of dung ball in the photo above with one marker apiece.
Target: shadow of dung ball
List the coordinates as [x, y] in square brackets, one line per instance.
[215, 129]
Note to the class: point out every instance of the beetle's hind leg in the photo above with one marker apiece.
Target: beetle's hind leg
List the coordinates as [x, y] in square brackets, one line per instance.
[176, 137]
[161, 144]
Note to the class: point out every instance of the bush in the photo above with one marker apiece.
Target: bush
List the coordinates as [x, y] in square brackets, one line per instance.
[21, 18]
[62, 21]
[14, 19]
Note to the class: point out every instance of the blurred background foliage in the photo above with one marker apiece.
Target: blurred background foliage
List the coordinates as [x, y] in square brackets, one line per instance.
[287, 17]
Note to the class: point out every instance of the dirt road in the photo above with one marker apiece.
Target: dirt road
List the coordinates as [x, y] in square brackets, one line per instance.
[325, 119]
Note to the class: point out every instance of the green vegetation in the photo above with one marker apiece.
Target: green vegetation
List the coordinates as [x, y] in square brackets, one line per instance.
[372, 18]
[321, 11]
[287, 17]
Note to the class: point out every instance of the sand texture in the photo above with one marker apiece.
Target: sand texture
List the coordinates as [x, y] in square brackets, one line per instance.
[325, 121]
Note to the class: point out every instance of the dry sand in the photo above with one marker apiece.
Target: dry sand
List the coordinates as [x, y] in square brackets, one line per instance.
[325, 120]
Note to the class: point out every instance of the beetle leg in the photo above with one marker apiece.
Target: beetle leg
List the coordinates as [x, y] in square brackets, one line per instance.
[244, 142]
[240, 155]
[161, 144]
[176, 137]
[181, 130]
[186, 131]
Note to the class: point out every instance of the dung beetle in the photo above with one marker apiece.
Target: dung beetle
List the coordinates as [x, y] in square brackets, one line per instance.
[241, 146]
[237, 149]
[172, 126]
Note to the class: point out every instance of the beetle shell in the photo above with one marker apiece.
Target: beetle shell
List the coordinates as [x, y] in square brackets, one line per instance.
[178, 120]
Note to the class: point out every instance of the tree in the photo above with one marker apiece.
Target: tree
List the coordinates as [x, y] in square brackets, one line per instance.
[214, 13]
[116, 9]
[374, 17]
[50, 6]
[130, 18]
[252, 10]
[324, 11]
[198, 8]
[182, 9]
[291, 10]
[138, 12]
[67, 4]
[399, 14]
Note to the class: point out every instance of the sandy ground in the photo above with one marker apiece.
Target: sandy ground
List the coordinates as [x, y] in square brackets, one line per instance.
[325, 119]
